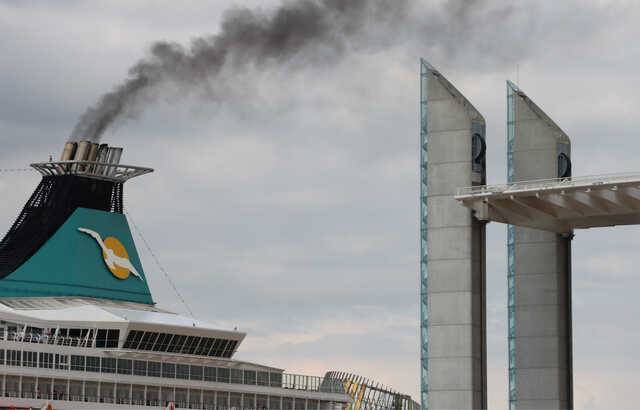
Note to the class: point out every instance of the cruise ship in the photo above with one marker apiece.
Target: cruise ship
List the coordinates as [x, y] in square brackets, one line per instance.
[79, 328]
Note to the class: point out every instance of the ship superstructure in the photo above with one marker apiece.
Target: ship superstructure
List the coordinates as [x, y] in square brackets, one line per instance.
[79, 328]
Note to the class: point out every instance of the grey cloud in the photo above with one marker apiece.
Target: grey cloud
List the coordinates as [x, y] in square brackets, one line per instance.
[292, 201]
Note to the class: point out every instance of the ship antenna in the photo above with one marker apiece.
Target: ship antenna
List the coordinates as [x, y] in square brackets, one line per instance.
[157, 262]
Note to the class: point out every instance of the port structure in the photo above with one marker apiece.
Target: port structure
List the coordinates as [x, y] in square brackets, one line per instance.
[558, 205]
[452, 252]
[542, 204]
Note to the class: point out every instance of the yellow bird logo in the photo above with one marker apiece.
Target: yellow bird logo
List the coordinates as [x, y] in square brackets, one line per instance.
[115, 255]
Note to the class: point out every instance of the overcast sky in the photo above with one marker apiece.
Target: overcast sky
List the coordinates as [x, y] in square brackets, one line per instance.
[289, 206]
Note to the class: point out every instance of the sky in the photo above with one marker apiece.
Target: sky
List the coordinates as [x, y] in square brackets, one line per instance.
[288, 204]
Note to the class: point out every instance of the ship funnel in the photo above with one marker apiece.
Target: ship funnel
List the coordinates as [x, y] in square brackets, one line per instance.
[114, 154]
[93, 152]
[89, 159]
[69, 151]
[83, 151]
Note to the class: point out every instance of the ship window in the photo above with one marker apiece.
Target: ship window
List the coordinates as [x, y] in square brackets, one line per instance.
[137, 395]
[28, 387]
[248, 401]
[148, 340]
[153, 396]
[90, 337]
[176, 344]
[209, 399]
[223, 375]
[46, 360]
[14, 358]
[1, 356]
[124, 366]
[75, 390]
[168, 370]
[139, 367]
[153, 369]
[230, 348]
[166, 394]
[33, 334]
[217, 348]
[249, 377]
[186, 345]
[112, 337]
[210, 374]
[44, 387]
[263, 379]
[274, 403]
[235, 400]
[275, 379]
[163, 342]
[77, 363]
[196, 373]
[122, 393]
[182, 371]
[74, 337]
[101, 338]
[62, 361]
[91, 391]
[181, 396]
[12, 386]
[93, 364]
[287, 403]
[106, 392]
[195, 400]
[29, 359]
[190, 345]
[59, 389]
[204, 347]
[262, 402]
[108, 365]
[300, 404]
[133, 339]
[194, 346]
[235, 376]
[220, 352]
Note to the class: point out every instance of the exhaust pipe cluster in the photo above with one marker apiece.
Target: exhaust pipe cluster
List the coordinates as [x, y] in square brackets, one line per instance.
[103, 154]
[90, 151]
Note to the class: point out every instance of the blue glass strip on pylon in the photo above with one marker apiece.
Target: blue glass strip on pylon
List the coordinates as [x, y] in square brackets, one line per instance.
[424, 313]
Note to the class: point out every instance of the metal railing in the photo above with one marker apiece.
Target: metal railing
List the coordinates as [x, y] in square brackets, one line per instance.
[51, 339]
[541, 184]
[100, 170]
[276, 380]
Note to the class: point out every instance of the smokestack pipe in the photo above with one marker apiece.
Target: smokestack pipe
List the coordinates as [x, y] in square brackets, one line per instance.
[69, 151]
[103, 151]
[114, 155]
[93, 154]
[113, 158]
[83, 151]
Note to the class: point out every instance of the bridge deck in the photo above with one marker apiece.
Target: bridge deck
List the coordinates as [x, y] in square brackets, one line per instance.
[559, 205]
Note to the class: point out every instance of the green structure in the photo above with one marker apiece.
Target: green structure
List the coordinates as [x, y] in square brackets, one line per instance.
[71, 263]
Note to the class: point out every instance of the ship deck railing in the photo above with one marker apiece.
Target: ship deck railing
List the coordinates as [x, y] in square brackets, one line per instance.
[51, 340]
[283, 381]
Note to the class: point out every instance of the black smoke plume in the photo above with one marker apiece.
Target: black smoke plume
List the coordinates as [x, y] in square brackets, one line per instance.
[246, 37]
[311, 31]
